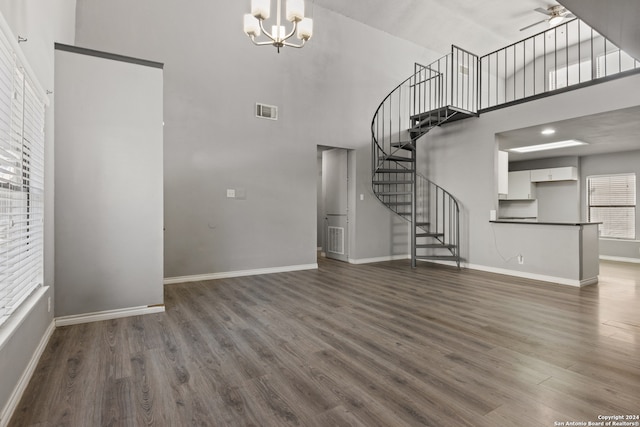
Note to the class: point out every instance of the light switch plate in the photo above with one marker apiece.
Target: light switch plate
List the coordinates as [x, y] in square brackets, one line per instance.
[231, 193]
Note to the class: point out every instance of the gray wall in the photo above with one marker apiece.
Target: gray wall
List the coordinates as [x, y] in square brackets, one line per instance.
[462, 157]
[42, 23]
[327, 93]
[625, 162]
[556, 201]
[108, 184]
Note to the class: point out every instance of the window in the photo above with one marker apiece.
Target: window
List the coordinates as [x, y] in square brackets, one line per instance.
[571, 75]
[21, 182]
[612, 201]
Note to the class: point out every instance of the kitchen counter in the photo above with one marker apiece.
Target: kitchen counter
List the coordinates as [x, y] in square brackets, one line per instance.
[559, 252]
[536, 221]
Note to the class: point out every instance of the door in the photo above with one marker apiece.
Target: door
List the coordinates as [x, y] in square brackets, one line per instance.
[335, 200]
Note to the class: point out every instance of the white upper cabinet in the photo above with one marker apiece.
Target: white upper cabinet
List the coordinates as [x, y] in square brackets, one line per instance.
[568, 173]
[520, 186]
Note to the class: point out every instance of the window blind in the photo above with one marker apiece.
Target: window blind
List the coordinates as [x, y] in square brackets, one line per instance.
[21, 181]
[612, 201]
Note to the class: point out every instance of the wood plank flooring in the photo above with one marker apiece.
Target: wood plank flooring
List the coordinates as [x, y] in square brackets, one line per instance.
[352, 345]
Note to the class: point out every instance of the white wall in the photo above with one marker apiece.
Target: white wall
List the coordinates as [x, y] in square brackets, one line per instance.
[108, 184]
[326, 92]
[462, 157]
[42, 23]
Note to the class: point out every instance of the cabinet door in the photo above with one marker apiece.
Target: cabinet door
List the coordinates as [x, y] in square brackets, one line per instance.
[569, 173]
[520, 186]
[541, 175]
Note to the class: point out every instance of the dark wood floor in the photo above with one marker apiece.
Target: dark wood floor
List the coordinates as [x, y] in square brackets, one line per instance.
[372, 345]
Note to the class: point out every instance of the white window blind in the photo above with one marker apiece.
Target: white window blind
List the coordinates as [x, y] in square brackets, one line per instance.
[612, 201]
[21, 181]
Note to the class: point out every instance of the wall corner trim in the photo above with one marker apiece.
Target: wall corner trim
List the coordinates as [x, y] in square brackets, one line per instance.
[378, 259]
[239, 273]
[620, 259]
[16, 395]
[107, 315]
[534, 276]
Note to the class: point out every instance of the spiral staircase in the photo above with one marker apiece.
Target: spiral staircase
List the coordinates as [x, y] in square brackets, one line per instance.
[436, 94]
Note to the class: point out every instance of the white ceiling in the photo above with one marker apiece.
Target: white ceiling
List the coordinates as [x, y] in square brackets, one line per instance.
[477, 26]
[484, 26]
[608, 132]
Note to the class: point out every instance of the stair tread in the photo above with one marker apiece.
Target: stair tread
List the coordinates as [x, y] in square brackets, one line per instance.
[430, 235]
[392, 182]
[435, 246]
[394, 193]
[409, 146]
[397, 203]
[436, 257]
[394, 171]
[400, 159]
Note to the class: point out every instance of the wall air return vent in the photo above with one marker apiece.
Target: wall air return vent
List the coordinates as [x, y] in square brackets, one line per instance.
[336, 240]
[265, 111]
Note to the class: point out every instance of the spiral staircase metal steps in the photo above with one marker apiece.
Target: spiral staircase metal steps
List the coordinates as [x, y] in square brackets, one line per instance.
[429, 98]
[403, 170]
[438, 258]
[394, 193]
[393, 158]
[439, 116]
[398, 203]
[432, 235]
[396, 182]
[409, 146]
[434, 246]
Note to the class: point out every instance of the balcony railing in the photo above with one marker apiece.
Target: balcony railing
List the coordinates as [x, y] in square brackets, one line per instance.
[558, 59]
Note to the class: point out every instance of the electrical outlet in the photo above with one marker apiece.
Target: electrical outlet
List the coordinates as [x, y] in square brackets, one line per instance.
[520, 259]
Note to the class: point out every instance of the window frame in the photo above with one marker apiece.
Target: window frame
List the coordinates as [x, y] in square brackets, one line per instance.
[22, 140]
[632, 236]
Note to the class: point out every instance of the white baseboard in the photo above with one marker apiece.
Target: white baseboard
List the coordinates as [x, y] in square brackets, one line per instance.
[378, 259]
[534, 276]
[620, 259]
[239, 273]
[107, 315]
[16, 395]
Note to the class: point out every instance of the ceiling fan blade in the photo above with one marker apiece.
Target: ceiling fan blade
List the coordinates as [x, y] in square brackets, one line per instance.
[569, 16]
[543, 11]
[533, 25]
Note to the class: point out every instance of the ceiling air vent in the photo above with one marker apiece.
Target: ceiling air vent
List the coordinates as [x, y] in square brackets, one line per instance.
[265, 111]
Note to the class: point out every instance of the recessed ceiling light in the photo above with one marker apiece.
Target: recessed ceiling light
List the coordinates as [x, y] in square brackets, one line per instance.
[548, 131]
[548, 146]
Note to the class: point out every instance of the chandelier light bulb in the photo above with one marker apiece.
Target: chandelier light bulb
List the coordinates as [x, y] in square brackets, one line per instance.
[254, 24]
[305, 29]
[251, 25]
[295, 10]
[261, 9]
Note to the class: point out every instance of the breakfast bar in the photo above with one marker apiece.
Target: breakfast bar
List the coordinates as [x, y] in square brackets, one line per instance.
[560, 252]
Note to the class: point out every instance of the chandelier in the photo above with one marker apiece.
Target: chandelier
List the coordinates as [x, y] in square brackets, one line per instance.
[261, 11]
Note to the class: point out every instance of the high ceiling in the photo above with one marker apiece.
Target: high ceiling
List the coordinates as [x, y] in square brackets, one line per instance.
[484, 26]
[477, 26]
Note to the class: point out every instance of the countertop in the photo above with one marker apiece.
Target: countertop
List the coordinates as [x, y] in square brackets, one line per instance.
[535, 221]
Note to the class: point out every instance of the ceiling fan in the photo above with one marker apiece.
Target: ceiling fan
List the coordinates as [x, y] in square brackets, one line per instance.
[555, 15]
